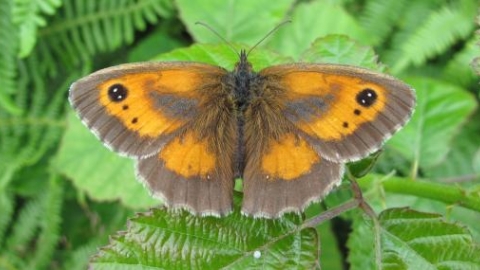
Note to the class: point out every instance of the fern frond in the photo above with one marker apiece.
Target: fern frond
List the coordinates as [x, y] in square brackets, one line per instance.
[84, 28]
[49, 224]
[458, 69]
[29, 15]
[439, 31]
[380, 17]
[8, 50]
[7, 205]
[25, 227]
[37, 228]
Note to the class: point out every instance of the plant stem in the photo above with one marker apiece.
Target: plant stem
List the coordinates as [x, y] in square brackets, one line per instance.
[448, 194]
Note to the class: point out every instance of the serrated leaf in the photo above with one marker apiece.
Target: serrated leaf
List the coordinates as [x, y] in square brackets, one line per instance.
[426, 241]
[415, 240]
[232, 19]
[314, 19]
[97, 171]
[178, 240]
[440, 111]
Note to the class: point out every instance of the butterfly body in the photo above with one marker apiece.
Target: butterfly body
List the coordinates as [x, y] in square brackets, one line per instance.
[286, 130]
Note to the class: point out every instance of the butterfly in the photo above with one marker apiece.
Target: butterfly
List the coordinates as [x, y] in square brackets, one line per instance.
[287, 130]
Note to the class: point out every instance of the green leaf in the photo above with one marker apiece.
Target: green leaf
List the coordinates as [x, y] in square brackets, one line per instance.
[234, 20]
[361, 244]
[459, 166]
[222, 55]
[340, 49]
[426, 241]
[178, 240]
[94, 169]
[155, 43]
[441, 110]
[330, 254]
[314, 19]
[415, 240]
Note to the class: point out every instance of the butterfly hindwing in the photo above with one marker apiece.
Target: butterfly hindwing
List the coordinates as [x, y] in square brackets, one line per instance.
[285, 175]
[190, 172]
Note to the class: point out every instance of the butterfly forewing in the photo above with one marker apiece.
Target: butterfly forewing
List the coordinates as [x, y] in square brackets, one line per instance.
[175, 119]
[345, 112]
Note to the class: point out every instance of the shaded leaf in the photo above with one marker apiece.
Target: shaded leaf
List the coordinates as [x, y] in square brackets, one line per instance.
[361, 244]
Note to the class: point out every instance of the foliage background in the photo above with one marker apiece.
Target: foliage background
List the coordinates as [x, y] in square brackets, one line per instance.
[62, 194]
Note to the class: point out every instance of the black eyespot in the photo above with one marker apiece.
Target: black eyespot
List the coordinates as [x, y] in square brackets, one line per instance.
[345, 124]
[125, 107]
[134, 120]
[366, 97]
[357, 112]
[117, 92]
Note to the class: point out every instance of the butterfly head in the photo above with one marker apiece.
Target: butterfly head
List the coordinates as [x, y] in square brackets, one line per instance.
[243, 66]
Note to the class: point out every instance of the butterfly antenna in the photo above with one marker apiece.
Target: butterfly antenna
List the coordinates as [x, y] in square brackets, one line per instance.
[269, 34]
[219, 36]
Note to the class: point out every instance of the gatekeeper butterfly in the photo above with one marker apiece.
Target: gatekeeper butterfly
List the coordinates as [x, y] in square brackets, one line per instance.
[286, 130]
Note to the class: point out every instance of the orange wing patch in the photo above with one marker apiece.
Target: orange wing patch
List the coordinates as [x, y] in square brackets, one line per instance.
[133, 106]
[189, 157]
[343, 112]
[288, 158]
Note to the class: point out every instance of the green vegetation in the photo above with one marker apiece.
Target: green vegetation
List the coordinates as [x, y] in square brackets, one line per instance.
[62, 193]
